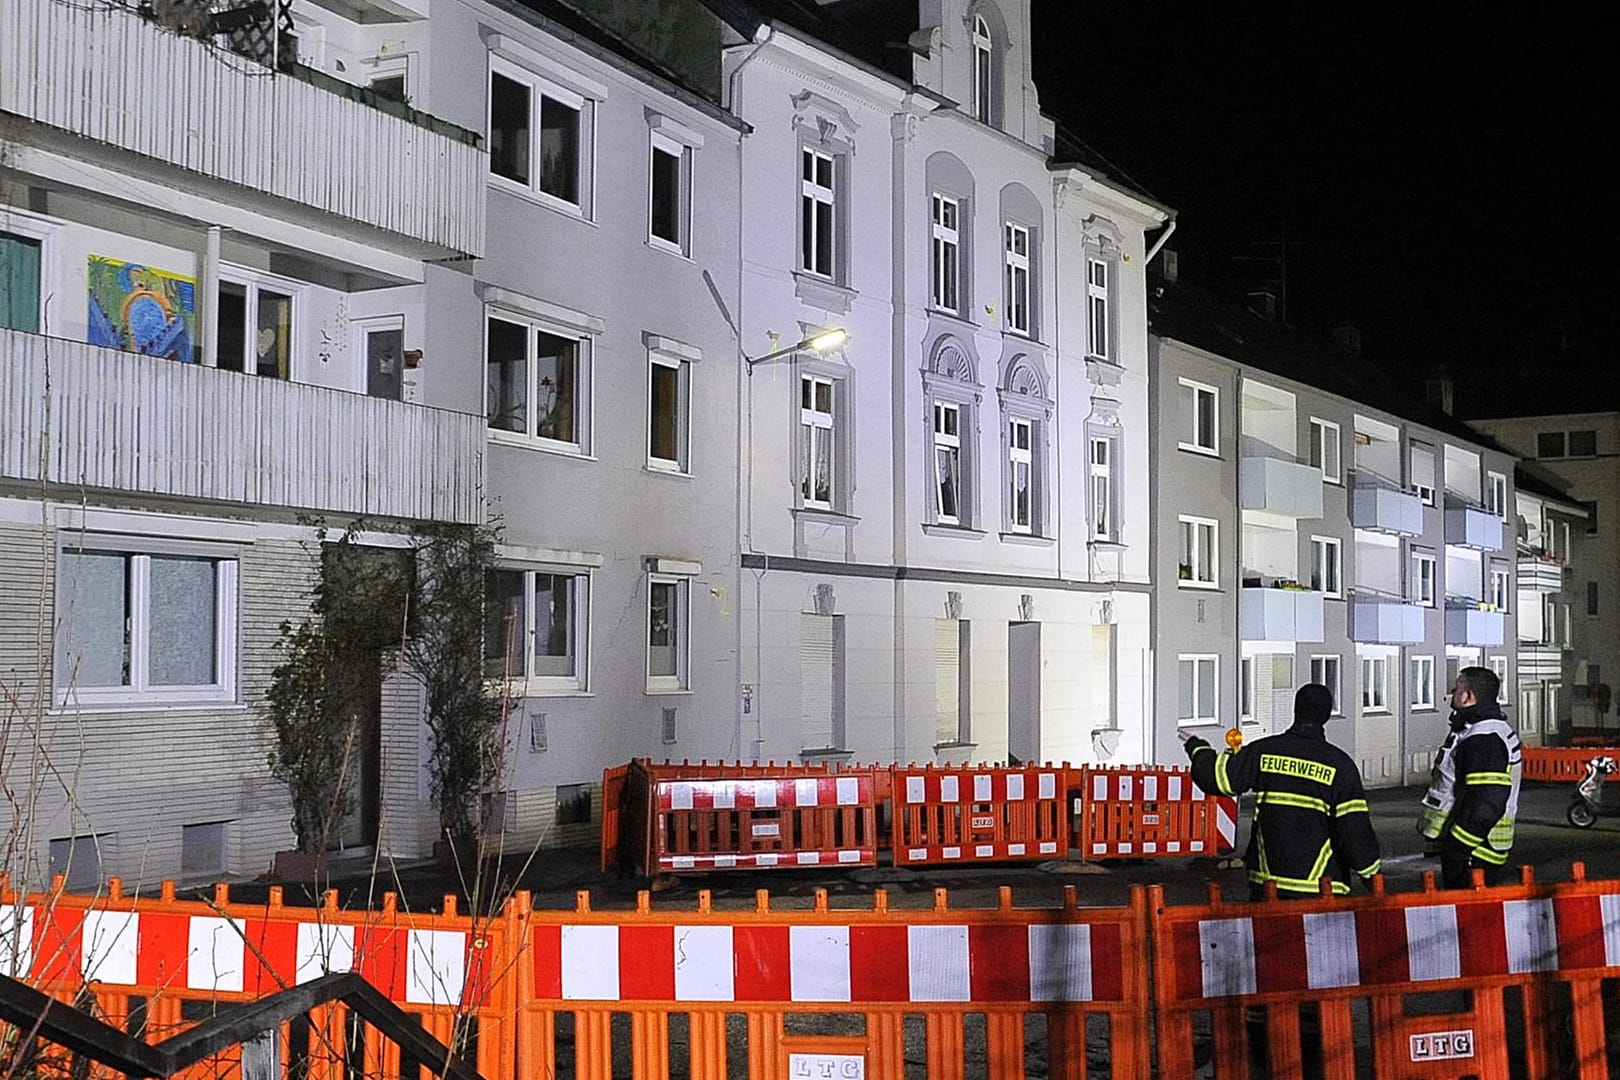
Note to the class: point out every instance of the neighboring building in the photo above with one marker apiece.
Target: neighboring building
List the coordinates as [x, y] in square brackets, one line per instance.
[944, 527]
[1555, 580]
[1581, 452]
[1307, 534]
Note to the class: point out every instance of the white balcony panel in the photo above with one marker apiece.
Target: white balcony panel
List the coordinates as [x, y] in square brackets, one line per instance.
[1540, 575]
[124, 422]
[1470, 526]
[1386, 510]
[1386, 622]
[1540, 662]
[1471, 626]
[1286, 488]
[1280, 615]
[105, 73]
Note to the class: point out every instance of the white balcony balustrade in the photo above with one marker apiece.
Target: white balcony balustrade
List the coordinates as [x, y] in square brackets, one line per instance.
[1275, 486]
[1385, 508]
[1280, 615]
[1473, 527]
[1474, 626]
[1540, 574]
[1378, 620]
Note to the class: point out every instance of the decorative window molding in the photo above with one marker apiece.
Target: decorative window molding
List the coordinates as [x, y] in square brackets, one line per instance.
[1025, 398]
[823, 450]
[951, 388]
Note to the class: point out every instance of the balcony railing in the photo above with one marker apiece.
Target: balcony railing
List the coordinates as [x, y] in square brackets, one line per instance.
[1382, 620]
[1540, 574]
[78, 414]
[1382, 507]
[1473, 625]
[1538, 661]
[1473, 527]
[1286, 488]
[1280, 615]
[104, 72]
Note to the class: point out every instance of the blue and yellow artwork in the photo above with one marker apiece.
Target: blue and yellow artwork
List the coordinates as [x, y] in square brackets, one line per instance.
[139, 309]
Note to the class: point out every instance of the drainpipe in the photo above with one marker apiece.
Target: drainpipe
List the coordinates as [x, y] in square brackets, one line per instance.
[1164, 237]
[207, 302]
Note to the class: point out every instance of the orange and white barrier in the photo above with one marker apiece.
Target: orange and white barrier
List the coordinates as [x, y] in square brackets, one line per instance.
[1561, 765]
[1146, 811]
[964, 815]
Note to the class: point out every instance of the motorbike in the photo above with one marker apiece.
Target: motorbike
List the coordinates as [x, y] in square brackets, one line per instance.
[1587, 803]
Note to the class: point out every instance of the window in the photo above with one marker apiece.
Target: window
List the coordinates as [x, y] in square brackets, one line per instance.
[1499, 666]
[1327, 565]
[1501, 589]
[551, 159]
[1591, 598]
[947, 463]
[535, 627]
[1099, 331]
[538, 383]
[1325, 672]
[669, 387]
[1103, 525]
[1374, 684]
[983, 72]
[817, 442]
[1199, 417]
[1550, 444]
[1423, 579]
[1198, 554]
[1423, 472]
[1325, 449]
[573, 804]
[1583, 444]
[669, 194]
[381, 342]
[257, 324]
[945, 291]
[1591, 518]
[821, 682]
[20, 272]
[1496, 494]
[1422, 674]
[818, 200]
[145, 620]
[1016, 242]
[1246, 689]
[1197, 683]
[1020, 475]
[666, 633]
[952, 682]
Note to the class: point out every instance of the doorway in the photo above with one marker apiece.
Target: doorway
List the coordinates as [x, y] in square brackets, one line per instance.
[1023, 692]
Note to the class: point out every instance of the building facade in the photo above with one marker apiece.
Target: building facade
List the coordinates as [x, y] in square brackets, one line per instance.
[1555, 642]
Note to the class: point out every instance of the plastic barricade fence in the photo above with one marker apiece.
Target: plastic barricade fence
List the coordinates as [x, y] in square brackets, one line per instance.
[158, 965]
[773, 995]
[1483, 982]
[615, 782]
[1134, 812]
[985, 814]
[1561, 765]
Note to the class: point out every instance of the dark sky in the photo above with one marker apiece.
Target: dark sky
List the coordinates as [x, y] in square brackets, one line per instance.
[1444, 174]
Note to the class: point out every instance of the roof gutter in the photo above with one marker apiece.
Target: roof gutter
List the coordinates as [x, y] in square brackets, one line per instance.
[1158, 245]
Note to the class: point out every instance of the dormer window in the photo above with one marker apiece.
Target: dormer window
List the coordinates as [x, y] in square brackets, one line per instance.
[983, 70]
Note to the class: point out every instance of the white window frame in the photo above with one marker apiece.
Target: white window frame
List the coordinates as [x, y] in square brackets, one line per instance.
[139, 551]
[946, 252]
[1099, 328]
[1321, 664]
[680, 623]
[1425, 586]
[984, 71]
[681, 464]
[1496, 494]
[253, 281]
[1327, 564]
[585, 406]
[1325, 437]
[1421, 692]
[1018, 291]
[816, 199]
[1245, 688]
[1198, 389]
[1501, 589]
[540, 88]
[948, 446]
[1202, 577]
[581, 595]
[1101, 488]
[659, 143]
[1021, 458]
[810, 420]
[1424, 492]
[1499, 665]
[1200, 718]
[1374, 684]
[45, 232]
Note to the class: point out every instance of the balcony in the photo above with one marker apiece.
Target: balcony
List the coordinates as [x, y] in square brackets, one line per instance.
[124, 422]
[1280, 615]
[1276, 486]
[1473, 527]
[1540, 574]
[1473, 625]
[1378, 620]
[1385, 509]
[110, 75]
[1540, 662]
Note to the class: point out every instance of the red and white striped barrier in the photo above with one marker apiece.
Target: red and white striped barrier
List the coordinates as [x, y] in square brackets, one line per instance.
[983, 832]
[1146, 785]
[767, 859]
[768, 794]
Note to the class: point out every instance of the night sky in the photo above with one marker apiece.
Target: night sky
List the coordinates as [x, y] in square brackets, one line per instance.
[1438, 173]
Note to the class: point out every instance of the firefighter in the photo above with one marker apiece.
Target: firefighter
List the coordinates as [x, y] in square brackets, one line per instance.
[1310, 810]
[1473, 796]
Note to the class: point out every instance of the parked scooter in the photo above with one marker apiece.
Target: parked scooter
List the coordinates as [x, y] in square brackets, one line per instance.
[1587, 804]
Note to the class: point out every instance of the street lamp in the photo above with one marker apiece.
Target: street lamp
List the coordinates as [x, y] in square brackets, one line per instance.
[822, 342]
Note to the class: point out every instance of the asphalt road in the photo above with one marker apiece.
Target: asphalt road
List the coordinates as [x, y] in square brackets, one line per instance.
[555, 877]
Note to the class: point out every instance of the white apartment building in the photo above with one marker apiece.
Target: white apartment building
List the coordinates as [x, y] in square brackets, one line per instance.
[1554, 584]
[944, 525]
[1307, 536]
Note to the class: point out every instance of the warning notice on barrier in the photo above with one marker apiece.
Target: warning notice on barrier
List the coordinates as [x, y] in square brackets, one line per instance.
[1441, 1045]
[773, 828]
[827, 1067]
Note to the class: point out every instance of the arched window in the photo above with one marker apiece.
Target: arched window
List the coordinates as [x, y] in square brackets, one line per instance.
[983, 71]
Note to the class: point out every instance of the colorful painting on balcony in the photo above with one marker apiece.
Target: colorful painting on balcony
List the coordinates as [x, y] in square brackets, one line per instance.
[139, 309]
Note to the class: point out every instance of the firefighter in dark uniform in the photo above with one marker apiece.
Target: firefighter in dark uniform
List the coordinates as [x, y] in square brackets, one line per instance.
[1473, 798]
[1310, 809]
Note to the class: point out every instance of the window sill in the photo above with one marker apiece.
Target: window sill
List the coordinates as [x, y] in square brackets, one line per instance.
[960, 532]
[664, 246]
[1099, 544]
[957, 745]
[1027, 539]
[824, 293]
[155, 705]
[951, 316]
[1376, 712]
[1201, 586]
[654, 691]
[826, 753]
[525, 442]
[569, 210]
[825, 516]
[1023, 336]
[1201, 451]
[673, 471]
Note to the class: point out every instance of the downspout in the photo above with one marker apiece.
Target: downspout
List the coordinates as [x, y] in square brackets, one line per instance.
[902, 128]
[1164, 237]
